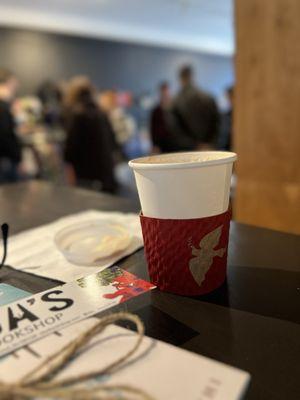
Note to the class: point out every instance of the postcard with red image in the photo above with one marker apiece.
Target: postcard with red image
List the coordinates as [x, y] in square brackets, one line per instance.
[119, 284]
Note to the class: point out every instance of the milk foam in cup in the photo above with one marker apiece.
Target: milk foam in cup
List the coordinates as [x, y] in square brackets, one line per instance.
[184, 185]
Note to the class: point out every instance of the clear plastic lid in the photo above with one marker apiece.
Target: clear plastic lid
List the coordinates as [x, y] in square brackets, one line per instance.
[89, 242]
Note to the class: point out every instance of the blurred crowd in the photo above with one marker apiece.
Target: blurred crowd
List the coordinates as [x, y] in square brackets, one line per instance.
[71, 133]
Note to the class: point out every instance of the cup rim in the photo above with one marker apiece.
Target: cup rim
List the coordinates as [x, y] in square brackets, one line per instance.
[224, 157]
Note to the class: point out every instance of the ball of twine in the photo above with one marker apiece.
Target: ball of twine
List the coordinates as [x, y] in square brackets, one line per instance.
[39, 382]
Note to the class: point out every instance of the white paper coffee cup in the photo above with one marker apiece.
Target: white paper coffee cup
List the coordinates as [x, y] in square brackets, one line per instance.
[184, 185]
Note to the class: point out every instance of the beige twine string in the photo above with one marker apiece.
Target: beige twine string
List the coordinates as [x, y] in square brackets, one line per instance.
[39, 383]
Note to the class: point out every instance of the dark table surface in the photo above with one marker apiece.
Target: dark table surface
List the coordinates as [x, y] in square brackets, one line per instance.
[252, 322]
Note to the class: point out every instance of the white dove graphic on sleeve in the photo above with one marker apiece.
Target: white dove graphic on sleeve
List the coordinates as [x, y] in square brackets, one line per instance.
[204, 256]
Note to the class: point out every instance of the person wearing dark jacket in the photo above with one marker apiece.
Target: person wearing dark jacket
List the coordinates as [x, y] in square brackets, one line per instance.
[225, 136]
[89, 144]
[165, 135]
[159, 129]
[195, 112]
[10, 149]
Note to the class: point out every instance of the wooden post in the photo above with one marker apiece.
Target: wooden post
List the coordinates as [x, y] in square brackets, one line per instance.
[267, 113]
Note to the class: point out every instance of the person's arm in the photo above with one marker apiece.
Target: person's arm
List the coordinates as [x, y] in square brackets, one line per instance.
[213, 123]
[154, 128]
[106, 161]
[110, 132]
[224, 135]
[10, 146]
[72, 147]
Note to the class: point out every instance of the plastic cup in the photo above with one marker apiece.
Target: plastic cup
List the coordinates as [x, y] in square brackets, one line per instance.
[184, 185]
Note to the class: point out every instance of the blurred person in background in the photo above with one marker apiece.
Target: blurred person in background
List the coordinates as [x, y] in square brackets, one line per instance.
[89, 144]
[10, 148]
[50, 95]
[225, 136]
[123, 124]
[159, 126]
[195, 112]
[166, 134]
